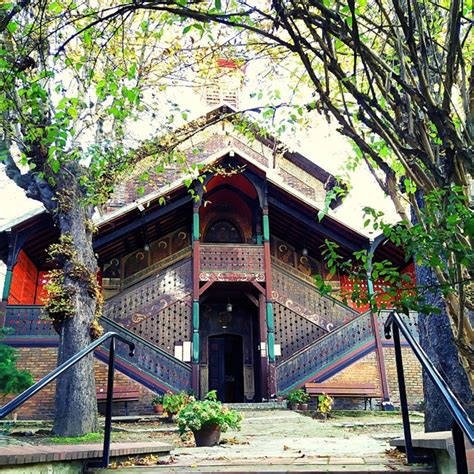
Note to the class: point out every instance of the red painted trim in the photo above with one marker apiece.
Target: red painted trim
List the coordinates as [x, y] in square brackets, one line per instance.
[206, 286]
[380, 357]
[259, 287]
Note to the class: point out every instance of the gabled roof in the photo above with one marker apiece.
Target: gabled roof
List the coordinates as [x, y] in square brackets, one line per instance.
[218, 132]
[288, 173]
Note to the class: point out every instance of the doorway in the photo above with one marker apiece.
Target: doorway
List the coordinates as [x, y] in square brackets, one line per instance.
[226, 367]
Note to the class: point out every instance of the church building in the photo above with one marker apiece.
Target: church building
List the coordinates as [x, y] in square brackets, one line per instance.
[215, 286]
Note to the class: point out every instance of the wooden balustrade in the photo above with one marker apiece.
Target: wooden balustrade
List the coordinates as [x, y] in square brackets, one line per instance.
[28, 321]
[231, 262]
[303, 298]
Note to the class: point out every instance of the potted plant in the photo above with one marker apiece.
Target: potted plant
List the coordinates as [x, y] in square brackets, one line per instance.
[174, 402]
[305, 399]
[325, 403]
[157, 403]
[207, 419]
[295, 397]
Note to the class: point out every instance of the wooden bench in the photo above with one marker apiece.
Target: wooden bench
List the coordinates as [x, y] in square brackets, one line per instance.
[366, 391]
[120, 394]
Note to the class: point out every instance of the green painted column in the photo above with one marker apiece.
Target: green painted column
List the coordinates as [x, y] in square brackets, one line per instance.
[270, 332]
[196, 224]
[7, 284]
[266, 228]
[195, 332]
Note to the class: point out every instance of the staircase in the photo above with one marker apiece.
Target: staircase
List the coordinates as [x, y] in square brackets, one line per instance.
[327, 355]
[151, 366]
[304, 299]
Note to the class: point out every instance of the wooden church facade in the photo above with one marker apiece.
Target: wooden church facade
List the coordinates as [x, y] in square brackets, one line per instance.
[217, 293]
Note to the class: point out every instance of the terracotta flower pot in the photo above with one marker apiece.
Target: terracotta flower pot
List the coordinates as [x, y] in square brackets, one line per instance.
[208, 435]
[158, 408]
[304, 406]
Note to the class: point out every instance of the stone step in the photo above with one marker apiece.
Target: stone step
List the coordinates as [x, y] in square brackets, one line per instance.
[277, 469]
[271, 405]
[22, 457]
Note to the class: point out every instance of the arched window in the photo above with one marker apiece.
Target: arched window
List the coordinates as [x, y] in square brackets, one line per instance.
[223, 231]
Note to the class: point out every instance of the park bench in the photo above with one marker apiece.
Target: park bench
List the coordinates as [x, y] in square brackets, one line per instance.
[366, 391]
[120, 394]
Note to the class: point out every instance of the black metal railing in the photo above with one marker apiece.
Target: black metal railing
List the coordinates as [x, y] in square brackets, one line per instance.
[462, 424]
[34, 389]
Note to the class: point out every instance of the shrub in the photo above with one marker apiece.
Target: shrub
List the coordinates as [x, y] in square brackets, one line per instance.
[198, 413]
[296, 396]
[174, 402]
[325, 403]
[12, 380]
[157, 400]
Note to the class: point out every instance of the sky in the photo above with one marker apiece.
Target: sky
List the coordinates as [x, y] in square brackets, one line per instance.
[320, 143]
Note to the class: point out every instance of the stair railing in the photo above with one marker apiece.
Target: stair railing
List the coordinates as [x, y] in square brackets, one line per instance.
[462, 424]
[38, 386]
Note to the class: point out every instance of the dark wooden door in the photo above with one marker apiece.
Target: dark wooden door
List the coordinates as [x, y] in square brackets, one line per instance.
[226, 368]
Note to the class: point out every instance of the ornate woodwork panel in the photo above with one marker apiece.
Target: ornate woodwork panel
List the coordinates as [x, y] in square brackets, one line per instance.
[292, 331]
[28, 321]
[168, 327]
[324, 351]
[230, 262]
[306, 300]
[120, 273]
[150, 296]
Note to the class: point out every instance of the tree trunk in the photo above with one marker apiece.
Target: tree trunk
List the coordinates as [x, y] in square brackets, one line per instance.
[436, 338]
[76, 404]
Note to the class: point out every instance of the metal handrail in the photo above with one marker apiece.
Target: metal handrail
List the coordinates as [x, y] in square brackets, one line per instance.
[34, 389]
[462, 425]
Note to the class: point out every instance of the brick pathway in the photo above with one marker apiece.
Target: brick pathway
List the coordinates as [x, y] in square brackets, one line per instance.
[29, 454]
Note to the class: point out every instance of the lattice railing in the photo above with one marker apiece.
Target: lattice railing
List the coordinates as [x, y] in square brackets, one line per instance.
[28, 321]
[169, 327]
[306, 300]
[326, 350]
[232, 258]
[151, 294]
[293, 331]
[176, 375]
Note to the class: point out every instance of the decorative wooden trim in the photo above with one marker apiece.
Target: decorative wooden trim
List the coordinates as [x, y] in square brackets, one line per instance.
[259, 287]
[139, 222]
[206, 286]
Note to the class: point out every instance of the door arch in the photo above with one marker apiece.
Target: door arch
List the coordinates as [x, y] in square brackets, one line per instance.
[226, 367]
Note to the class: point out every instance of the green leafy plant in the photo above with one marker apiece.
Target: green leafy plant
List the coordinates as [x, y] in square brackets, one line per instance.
[158, 400]
[200, 413]
[325, 403]
[296, 396]
[12, 380]
[305, 398]
[174, 402]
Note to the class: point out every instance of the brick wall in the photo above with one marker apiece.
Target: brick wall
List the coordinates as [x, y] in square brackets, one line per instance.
[413, 376]
[366, 371]
[41, 361]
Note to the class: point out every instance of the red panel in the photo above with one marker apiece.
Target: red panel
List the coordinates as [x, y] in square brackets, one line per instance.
[347, 288]
[22, 290]
[41, 292]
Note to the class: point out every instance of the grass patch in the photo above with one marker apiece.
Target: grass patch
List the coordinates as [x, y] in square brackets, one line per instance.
[364, 414]
[87, 438]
